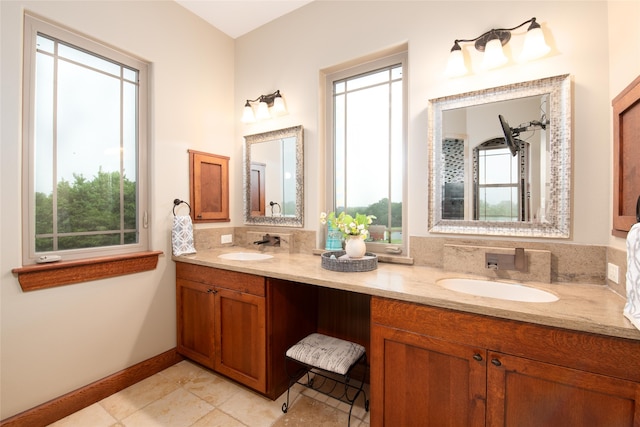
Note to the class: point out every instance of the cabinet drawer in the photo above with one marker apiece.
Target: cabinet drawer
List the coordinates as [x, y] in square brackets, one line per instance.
[242, 282]
[601, 354]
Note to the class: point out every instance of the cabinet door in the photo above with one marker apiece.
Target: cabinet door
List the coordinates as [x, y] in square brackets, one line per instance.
[421, 381]
[240, 337]
[523, 392]
[195, 318]
[209, 185]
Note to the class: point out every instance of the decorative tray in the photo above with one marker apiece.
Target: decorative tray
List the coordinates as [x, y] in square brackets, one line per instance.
[339, 261]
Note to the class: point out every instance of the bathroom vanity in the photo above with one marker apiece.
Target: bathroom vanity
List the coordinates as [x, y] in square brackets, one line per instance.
[477, 370]
[434, 353]
[240, 325]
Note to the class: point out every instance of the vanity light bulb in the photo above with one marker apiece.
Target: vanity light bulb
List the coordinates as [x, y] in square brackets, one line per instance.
[455, 65]
[278, 108]
[493, 55]
[247, 115]
[534, 46]
[263, 111]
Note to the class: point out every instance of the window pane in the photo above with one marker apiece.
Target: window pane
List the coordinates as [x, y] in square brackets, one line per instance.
[499, 204]
[129, 74]
[43, 158]
[44, 44]
[497, 166]
[129, 154]
[88, 122]
[339, 151]
[368, 80]
[368, 147]
[289, 176]
[89, 60]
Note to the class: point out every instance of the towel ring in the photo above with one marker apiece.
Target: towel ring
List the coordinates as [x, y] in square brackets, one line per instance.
[177, 202]
[272, 204]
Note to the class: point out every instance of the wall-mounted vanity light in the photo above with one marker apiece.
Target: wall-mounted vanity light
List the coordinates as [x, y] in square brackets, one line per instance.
[271, 105]
[491, 44]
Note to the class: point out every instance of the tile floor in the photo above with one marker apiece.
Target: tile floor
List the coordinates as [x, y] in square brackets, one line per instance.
[188, 395]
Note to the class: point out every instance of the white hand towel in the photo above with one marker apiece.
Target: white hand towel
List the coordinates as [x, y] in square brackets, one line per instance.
[632, 307]
[182, 235]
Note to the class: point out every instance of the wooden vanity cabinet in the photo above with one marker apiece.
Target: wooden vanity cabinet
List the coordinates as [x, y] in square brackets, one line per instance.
[240, 325]
[434, 367]
[221, 322]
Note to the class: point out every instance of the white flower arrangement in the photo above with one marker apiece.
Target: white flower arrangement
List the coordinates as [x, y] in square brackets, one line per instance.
[348, 225]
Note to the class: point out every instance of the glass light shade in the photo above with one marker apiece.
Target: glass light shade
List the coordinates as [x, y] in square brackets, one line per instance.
[455, 66]
[493, 54]
[278, 108]
[263, 111]
[247, 114]
[534, 45]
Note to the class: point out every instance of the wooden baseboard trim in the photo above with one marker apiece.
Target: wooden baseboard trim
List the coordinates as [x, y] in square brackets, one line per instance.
[60, 407]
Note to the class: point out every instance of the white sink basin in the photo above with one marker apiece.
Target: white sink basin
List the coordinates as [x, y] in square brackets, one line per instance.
[245, 256]
[499, 290]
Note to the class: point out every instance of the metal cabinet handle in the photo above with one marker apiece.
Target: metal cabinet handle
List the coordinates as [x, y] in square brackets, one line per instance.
[496, 362]
[212, 291]
[477, 357]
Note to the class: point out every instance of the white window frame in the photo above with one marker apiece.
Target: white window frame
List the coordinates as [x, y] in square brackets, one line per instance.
[386, 59]
[32, 27]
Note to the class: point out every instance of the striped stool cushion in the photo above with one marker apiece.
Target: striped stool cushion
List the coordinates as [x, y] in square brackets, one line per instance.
[328, 353]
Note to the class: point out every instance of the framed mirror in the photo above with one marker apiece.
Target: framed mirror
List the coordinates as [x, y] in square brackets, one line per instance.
[274, 178]
[500, 160]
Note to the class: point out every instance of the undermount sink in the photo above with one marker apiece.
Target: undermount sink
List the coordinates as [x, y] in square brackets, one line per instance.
[245, 256]
[499, 290]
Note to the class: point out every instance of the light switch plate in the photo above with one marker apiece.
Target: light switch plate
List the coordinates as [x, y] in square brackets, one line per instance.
[226, 238]
[613, 272]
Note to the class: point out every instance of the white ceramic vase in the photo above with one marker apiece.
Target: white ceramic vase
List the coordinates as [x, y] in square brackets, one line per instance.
[355, 247]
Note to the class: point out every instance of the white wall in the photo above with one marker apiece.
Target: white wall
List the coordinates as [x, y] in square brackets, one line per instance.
[60, 339]
[288, 54]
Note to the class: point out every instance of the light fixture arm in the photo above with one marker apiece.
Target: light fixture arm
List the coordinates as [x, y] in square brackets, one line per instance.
[269, 99]
[503, 34]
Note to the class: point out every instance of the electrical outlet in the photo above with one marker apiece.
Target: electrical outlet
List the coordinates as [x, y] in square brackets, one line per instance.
[226, 238]
[612, 272]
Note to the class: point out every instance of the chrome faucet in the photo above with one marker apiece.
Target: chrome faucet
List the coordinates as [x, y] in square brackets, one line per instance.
[506, 262]
[268, 240]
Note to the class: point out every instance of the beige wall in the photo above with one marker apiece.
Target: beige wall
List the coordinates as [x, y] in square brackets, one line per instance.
[289, 53]
[56, 340]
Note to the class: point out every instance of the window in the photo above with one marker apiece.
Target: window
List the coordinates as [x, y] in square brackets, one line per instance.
[367, 126]
[501, 182]
[84, 139]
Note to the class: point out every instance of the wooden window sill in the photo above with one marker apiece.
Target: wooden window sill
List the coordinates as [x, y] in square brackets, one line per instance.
[42, 276]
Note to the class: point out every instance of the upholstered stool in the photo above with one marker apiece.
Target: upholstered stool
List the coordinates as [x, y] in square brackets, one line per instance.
[330, 360]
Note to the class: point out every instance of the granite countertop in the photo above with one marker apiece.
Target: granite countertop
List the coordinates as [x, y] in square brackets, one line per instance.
[588, 308]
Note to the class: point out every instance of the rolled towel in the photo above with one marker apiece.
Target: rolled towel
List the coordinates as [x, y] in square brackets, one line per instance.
[182, 236]
[632, 306]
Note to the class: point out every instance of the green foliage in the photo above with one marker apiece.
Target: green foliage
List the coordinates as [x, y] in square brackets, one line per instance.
[88, 206]
[501, 211]
[379, 212]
